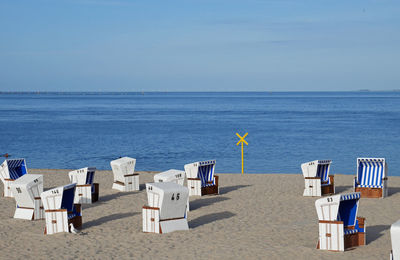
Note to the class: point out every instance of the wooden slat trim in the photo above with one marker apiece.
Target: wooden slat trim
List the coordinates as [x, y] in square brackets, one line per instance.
[330, 222]
[193, 179]
[148, 207]
[133, 174]
[161, 220]
[84, 185]
[55, 210]
[25, 208]
[312, 178]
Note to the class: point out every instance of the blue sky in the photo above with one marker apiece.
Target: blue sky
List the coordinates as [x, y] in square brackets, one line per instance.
[219, 45]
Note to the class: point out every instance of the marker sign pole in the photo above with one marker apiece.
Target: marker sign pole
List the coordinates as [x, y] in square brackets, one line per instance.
[241, 141]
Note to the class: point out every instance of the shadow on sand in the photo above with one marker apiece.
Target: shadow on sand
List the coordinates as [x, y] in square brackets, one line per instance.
[375, 232]
[108, 197]
[225, 190]
[206, 219]
[393, 190]
[105, 219]
[196, 204]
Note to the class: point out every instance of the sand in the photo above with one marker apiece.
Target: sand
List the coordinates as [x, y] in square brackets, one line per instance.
[257, 216]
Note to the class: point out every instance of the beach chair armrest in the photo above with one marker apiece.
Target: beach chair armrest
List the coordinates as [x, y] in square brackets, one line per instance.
[332, 179]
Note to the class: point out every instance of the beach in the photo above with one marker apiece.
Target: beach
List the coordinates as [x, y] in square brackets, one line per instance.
[256, 216]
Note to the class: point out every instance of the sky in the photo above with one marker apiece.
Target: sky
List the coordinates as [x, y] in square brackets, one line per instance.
[199, 45]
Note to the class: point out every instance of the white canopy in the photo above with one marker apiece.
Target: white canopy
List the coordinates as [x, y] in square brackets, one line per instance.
[123, 166]
[60, 197]
[339, 208]
[317, 168]
[395, 236]
[169, 197]
[171, 175]
[82, 176]
[26, 188]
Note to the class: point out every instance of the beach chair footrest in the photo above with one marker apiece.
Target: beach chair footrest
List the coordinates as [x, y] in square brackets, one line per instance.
[369, 192]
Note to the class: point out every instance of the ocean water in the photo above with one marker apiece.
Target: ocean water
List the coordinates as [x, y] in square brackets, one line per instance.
[168, 130]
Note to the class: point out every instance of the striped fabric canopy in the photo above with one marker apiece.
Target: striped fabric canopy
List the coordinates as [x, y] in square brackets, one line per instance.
[323, 170]
[370, 172]
[348, 208]
[16, 168]
[206, 173]
[89, 177]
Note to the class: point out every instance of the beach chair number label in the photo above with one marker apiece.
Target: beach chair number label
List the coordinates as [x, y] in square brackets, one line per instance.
[55, 192]
[173, 196]
[18, 190]
[329, 199]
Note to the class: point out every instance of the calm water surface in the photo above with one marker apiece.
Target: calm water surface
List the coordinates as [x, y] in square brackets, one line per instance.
[167, 130]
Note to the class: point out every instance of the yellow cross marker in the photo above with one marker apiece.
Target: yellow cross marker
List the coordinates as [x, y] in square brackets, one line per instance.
[242, 141]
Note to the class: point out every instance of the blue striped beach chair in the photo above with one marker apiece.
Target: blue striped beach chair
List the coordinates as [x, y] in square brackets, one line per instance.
[10, 170]
[339, 226]
[201, 179]
[371, 178]
[317, 181]
[87, 191]
[395, 237]
[60, 210]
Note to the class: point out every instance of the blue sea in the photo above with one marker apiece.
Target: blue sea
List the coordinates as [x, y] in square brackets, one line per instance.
[168, 130]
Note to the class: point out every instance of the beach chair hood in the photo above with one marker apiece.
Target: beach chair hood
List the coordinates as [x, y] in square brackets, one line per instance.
[169, 197]
[123, 166]
[203, 170]
[317, 168]
[82, 176]
[13, 169]
[371, 172]
[171, 175]
[26, 188]
[59, 198]
[339, 208]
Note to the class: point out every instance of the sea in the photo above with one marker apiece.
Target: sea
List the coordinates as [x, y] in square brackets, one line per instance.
[166, 130]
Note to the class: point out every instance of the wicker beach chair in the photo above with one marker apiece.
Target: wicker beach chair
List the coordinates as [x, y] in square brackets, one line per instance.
[339, 226]
[60, 210]
[125, 178]
[395, 236]
[86, 191]
[26, 191]
[201, 179]
[10, 170]
[317, 181]
[371, 178]
[166, 208]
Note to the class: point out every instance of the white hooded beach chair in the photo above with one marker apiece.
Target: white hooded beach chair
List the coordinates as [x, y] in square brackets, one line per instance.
[86, 191]
[317, 181]
[166, 209]
[339, 226]
[26, 191]
[10, 170]
[395, 236]
[371, 178]
[172, 175]
[125, 178]
[201, 179]
[60, 210]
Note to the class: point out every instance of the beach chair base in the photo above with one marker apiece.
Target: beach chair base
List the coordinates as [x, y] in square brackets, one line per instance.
[332, 237]
[370, 192]
[195, 189]
[314, 187]
[7, 188]
[131, 183]
[153, 224]
[30, 213]
[84, 194]
[57, 220]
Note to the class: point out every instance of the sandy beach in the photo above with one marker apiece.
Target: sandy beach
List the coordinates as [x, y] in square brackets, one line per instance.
[257, 216]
